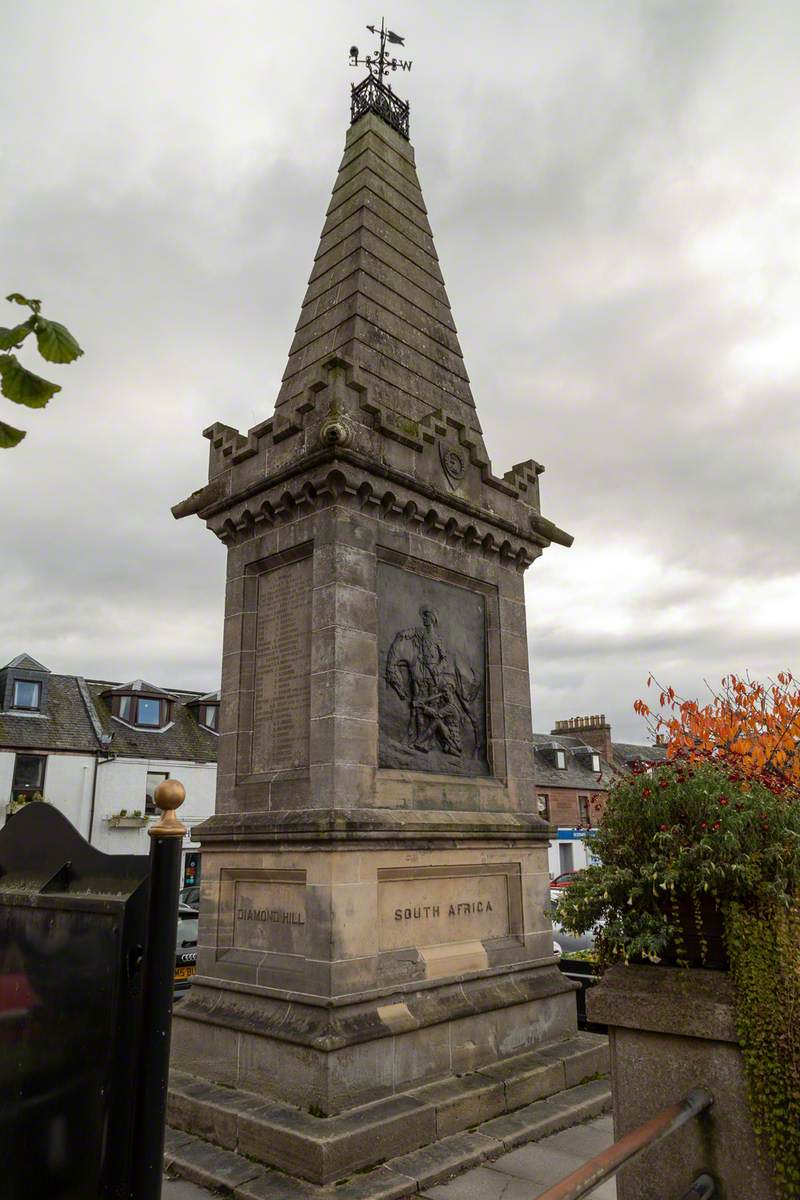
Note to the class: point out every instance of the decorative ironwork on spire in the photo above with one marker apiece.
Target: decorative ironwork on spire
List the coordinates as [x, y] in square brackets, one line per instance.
[372, 94]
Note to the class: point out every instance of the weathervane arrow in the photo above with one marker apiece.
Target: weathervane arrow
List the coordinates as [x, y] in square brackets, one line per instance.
[379, 64]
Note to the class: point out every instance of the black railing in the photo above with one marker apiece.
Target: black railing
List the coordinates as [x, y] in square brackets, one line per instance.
[608, 1162]
[373, 96]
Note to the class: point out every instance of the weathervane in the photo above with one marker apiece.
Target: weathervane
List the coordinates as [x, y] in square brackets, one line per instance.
[379, 63]
[372, 94]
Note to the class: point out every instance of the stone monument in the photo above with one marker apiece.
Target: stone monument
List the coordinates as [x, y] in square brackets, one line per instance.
[374, 882]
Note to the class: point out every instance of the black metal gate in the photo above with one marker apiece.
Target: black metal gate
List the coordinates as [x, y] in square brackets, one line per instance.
[73, 944]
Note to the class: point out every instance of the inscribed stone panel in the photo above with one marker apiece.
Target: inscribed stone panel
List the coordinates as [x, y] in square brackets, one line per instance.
[269, 915]
[432, 645]
[435, 907]
[282, 668]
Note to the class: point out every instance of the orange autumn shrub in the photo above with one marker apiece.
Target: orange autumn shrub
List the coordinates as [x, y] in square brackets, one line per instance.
[749, 729]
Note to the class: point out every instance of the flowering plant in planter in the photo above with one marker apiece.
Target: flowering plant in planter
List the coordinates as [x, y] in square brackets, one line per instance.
[22, 798]
[699, 864]
[678, 841]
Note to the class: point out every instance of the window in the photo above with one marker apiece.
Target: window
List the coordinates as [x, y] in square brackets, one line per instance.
[148, 712]
[27, 694]
[566, 859]
[583, 810]
[208, 715]
[28, 775]
[543, 805]
[154, 778]
[596, 763]
[561, 760]
[140, 710]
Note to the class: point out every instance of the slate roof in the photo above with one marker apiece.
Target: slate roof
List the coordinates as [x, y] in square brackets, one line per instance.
[376, 293]
[76, 717]
[183, 739]
[628, 753]
[577, 773]
[66, 725]
[26, 662]
[139, 685]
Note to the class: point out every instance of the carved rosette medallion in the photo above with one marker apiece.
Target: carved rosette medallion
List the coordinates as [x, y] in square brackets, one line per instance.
[453, 464]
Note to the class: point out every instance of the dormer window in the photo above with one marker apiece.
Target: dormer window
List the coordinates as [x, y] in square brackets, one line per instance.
[206, 711]
[145, 712]
[24, 687]
[596, 763]
[27, 694]
[561, 760]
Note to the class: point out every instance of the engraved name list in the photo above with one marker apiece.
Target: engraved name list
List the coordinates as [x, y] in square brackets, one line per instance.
[282, 666]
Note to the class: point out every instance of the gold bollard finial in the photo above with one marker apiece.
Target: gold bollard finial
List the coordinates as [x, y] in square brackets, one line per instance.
[169, 795]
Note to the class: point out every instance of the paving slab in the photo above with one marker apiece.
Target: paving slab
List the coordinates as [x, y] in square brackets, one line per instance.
[524, 1173]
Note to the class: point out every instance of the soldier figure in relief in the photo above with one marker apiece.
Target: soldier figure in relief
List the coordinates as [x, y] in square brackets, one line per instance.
[437, 693]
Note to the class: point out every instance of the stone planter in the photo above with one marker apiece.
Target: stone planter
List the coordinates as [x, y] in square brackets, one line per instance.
[671, 1030]
[126, 822]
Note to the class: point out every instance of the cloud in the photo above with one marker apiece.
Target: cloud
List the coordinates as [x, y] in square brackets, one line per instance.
[613, 195]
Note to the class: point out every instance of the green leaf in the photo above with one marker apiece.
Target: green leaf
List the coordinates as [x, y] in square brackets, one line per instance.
[56, 343]
[11, 338]
[22, 386]
[9, 436]
[18, 298]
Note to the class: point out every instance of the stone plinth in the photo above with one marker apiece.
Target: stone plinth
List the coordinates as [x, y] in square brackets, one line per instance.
[399, 913]
[671, 1030]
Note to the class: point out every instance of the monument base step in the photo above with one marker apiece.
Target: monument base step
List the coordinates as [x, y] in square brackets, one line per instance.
[500, 1103]
[234, 1175]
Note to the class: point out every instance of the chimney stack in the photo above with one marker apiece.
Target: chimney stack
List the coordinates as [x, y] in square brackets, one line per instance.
[594, 730]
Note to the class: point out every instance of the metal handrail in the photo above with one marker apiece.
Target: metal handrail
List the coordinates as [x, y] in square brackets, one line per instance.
[609, 1161]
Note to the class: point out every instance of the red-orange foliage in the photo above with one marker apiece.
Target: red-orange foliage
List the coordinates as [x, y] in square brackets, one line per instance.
[750, 729]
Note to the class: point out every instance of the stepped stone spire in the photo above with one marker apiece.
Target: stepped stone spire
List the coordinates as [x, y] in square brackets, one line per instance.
[376, 294]
[375, 370]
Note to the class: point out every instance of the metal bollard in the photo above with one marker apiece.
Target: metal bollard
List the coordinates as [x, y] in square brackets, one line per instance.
[158, 974]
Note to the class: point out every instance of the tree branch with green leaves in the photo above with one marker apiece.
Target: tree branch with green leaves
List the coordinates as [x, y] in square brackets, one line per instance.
[54, 342]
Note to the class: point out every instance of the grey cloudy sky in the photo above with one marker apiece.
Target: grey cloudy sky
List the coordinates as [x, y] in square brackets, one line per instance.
[615, 197]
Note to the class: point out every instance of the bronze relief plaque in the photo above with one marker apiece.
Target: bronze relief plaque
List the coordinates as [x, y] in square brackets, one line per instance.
[432, 686]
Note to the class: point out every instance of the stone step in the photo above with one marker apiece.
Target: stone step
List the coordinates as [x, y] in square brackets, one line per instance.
[323, 1150]
[402, 1175]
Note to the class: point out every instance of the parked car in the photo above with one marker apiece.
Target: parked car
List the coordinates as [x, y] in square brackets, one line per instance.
[559, 882]
[564, 879]
[185, 949]
[191, 896]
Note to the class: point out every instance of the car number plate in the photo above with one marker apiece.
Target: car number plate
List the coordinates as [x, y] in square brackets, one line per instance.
[184, 972]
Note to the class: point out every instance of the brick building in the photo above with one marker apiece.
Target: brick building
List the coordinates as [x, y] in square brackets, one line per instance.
[575, 765]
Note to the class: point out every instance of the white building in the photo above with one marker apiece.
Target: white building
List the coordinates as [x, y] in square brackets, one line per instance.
[97, 751]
